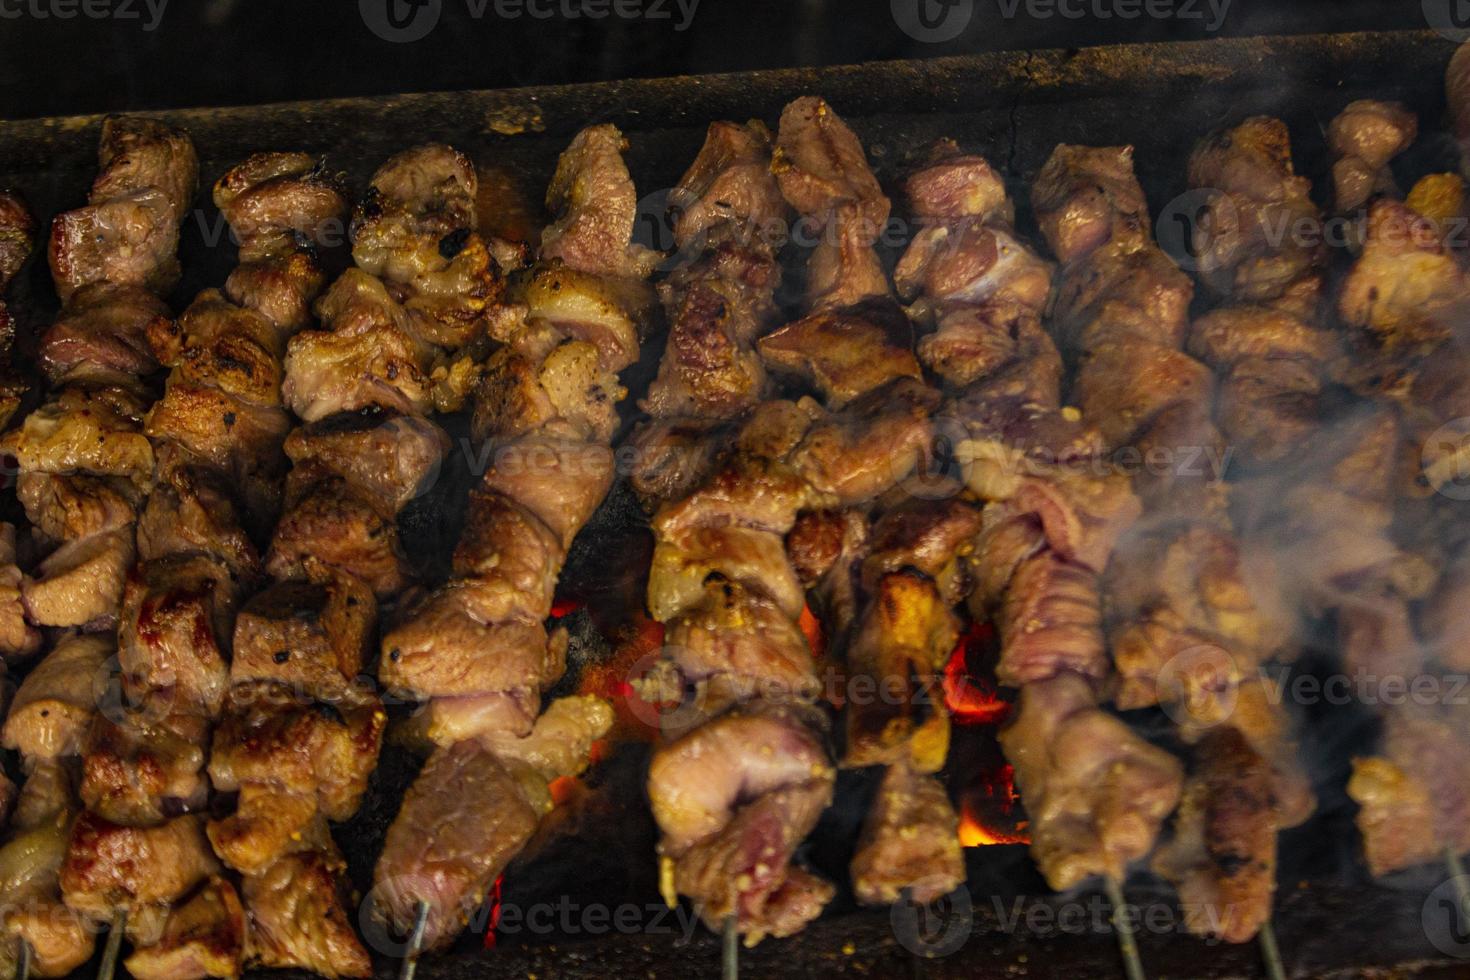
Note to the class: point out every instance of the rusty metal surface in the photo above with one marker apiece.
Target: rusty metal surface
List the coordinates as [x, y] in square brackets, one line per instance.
[1012, 107]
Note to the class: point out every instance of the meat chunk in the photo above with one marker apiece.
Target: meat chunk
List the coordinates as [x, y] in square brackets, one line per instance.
[274, 200]
[204, 937]
[733, 799]
[70, 507]
[81, 583]
[1363, 137]
[910, 840]
[875, 443]
[463, 820]
[104, 327]
[1222, 859]
[312, 635]
[1094, 791]
[53, 709]
[902, 641]
[1086, 197]
[174, 636]
[1251, 188]
[141, 869]
[846, 353]
[140, 770]
[819, 165]
[18, 638]
[1412, 799]
[595, 203]
[729, 183]
[390, 458]
[92, 428]
[299, 917]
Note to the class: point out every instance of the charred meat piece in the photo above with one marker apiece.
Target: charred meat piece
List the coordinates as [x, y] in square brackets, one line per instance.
[105, 327]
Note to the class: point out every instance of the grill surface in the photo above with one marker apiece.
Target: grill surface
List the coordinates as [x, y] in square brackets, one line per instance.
[1013, 108]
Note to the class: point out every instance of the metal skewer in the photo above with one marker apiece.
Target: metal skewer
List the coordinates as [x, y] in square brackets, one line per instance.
[1462, 883]
[1127, 942]
[730, 950]
[114, 945]
[1270, 952]
[23, 967]
[415, 941]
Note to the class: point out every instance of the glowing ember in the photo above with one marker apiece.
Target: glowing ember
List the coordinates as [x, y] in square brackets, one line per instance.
[811, 628]
[987, 814]
[971, 701]
[494, 920]
[634, 655]
[564, 607]
[562, 788]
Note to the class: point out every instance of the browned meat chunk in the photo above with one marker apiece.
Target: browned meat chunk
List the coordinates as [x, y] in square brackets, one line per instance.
[53, 709]
[728, 184]
[1407, 288]
[910, 840]
[1222, 859]
[845, 353]
[1086, 197]
[1094, 791]
[313, 636]
[18, 638]
[819, 165]
[1412, 796]
[141, 869]
[333, 529]
[877, 441]
[1251, 189]
[595, 203]
[902, 641]
[1364, 137]
[299, 917]
[92, 428]
[105, 327]
[274, 200]
[390, 458]
[470, 812]
[733, 799]
[174, 635]
[204, 937]
[138, 770]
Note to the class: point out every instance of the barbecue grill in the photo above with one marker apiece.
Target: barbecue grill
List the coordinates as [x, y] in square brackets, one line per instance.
[583, 899]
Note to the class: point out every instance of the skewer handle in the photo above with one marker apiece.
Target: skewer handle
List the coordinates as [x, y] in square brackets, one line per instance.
[1127, 942]
[23, 965]
[114, 945]
[730, 951]
[1270, 952]
[415, 941]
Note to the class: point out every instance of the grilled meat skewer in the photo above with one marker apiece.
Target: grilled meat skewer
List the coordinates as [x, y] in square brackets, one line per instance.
[477, 648]
[299, 737]
[217, 434]
[85, 461]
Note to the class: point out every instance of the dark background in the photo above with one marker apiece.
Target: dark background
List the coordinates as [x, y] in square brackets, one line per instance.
[233, 52]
